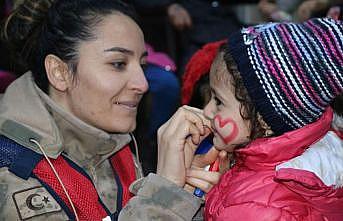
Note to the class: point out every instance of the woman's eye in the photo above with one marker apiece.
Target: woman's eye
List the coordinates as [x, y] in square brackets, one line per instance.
[119, 65]
[144, 66]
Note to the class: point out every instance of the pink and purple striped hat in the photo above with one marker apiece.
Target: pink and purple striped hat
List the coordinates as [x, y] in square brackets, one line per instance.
[292, 71]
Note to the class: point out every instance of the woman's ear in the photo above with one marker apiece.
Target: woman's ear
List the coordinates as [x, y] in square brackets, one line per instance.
[57, 72]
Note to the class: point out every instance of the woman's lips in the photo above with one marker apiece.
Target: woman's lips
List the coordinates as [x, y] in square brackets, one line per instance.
[131, 105]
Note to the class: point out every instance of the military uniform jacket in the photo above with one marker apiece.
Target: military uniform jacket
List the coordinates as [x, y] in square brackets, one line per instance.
[25, 113]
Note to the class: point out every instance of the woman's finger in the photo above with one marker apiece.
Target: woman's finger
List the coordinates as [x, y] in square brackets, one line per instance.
[193, 109]
[206, 176]
[199, 183]
[196, 119]
[224, 161]
[199, 113]
[183, 124]
[202, 160]
[195, 134]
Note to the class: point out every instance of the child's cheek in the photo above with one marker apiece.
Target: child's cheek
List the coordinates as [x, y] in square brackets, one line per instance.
[226, 128]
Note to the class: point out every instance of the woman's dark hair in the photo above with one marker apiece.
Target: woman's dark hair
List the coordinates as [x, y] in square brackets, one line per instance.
[247, 108]
[37, 28]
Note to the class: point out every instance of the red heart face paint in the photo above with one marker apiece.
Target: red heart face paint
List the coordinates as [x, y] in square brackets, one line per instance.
[226, 128]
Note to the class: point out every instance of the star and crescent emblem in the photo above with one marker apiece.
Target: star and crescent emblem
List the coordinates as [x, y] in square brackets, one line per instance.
[34, 202]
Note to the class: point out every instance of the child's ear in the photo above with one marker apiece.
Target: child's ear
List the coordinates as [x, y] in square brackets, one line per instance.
[57, 72]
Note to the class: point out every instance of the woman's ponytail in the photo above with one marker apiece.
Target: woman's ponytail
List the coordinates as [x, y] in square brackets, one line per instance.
[21, 31]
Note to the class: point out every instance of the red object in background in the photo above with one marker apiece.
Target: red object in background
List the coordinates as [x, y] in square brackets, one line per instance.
[6, 79]
[199, 65]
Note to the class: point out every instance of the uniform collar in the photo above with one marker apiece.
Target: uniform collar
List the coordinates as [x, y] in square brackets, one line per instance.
[266, 153]
[27, 112]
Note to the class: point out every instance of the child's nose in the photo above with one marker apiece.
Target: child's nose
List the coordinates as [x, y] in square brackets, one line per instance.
[209, 111]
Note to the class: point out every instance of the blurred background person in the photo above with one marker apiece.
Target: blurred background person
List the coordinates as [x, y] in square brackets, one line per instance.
[294, 10]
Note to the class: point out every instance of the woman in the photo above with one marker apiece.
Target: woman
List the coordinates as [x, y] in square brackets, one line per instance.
[66, 124]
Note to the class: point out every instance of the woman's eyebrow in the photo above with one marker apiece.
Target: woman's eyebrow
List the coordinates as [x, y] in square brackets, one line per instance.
[124, 51]
[119, 49]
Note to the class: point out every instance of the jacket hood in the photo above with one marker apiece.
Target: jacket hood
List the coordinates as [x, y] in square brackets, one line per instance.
[269, 152]
[315, 148]
[28, 113]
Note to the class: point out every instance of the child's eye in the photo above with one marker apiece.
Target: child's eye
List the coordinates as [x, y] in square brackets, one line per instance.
[119, 65]
[218, 102]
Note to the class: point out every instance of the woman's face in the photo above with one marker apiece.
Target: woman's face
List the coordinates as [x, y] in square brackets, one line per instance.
[109, 82]
[223, 110]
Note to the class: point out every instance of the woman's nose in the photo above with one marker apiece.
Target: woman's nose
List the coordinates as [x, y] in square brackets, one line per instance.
[139, 82]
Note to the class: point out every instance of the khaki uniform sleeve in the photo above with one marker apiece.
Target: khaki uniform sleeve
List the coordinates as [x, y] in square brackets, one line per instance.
[159, 199]
[26, 200]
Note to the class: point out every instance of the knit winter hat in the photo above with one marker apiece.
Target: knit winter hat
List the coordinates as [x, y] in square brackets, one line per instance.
[198, 65]
[291, 71]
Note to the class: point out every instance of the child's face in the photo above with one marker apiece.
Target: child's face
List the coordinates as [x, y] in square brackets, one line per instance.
[223, 110]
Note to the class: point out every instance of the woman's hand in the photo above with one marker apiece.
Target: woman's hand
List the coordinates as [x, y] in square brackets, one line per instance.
[196, 176]
[178, 139]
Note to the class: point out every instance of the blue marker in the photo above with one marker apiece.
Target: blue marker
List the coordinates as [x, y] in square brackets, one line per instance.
[203, 148]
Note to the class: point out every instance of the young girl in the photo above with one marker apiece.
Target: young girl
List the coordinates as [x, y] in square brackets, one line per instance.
[271, 89]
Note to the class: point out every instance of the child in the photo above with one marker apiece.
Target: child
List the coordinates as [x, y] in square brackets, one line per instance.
[271, 90]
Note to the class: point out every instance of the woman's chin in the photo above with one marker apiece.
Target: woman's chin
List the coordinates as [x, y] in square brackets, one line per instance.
[122, 128]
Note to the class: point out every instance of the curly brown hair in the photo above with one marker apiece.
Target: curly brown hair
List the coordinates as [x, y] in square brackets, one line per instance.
[258, 127]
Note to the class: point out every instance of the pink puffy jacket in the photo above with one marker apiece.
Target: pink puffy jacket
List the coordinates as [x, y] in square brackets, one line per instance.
[296, 176]
[6, 78]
